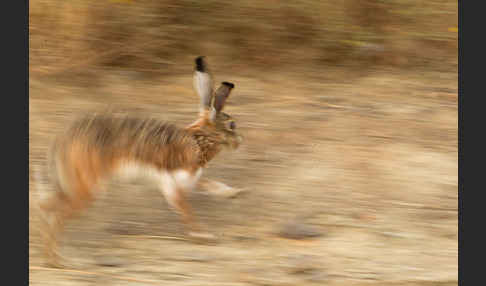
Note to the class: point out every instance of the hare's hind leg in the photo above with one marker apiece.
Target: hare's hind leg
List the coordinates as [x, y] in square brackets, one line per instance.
[60, 207]
[53, 212]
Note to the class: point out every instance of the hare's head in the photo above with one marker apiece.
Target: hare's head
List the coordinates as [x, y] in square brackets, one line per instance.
[212, 120]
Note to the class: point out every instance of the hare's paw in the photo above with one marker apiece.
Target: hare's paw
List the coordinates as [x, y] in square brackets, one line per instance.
[54, 259]
[203, 237]
[219, 189]
[233, 192]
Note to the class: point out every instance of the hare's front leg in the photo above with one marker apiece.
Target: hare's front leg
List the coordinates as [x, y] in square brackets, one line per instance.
[175, 188]
[219, 189]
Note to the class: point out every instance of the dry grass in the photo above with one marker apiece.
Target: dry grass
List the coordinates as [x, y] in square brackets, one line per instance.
[161, 36]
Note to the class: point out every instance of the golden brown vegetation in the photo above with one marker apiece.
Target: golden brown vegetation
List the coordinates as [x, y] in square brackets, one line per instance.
[157, 36]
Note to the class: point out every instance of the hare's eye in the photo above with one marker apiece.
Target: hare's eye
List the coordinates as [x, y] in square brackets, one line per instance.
[232, 125]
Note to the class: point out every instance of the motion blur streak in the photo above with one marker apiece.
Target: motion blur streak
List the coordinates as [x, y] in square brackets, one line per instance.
[348, 110]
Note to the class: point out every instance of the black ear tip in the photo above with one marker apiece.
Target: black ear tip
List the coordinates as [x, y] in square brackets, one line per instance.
[228, 84]
[200, 64]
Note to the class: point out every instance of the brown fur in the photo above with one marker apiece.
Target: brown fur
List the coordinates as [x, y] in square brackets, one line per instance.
[97, 145]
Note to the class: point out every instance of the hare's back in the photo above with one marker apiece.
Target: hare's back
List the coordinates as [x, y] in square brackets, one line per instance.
[135, 138]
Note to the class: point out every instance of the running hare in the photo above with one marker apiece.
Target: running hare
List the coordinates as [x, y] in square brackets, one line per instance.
[98, 146]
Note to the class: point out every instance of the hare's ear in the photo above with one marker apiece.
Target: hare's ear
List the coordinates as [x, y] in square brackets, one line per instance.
[203, 84]
[222, 94]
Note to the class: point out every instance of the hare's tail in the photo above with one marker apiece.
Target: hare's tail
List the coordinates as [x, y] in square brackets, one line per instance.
[41, 191]
[40, 188]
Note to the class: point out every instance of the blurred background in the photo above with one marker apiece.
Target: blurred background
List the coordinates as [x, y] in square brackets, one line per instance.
[349, 113]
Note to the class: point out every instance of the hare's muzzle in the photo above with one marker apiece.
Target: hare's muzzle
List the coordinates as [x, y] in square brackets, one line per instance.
[236, 141]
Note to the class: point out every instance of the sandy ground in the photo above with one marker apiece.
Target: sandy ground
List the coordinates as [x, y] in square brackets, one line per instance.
[347, 183]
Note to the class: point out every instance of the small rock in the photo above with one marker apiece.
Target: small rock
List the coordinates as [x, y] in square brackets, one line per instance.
[300, 264]
[109, 261]
[126, 228]
[305, 267]
[193, 257]
[296, 230]
[244, 238]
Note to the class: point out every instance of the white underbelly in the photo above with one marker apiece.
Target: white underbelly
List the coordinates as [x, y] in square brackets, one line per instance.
[168, 179]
